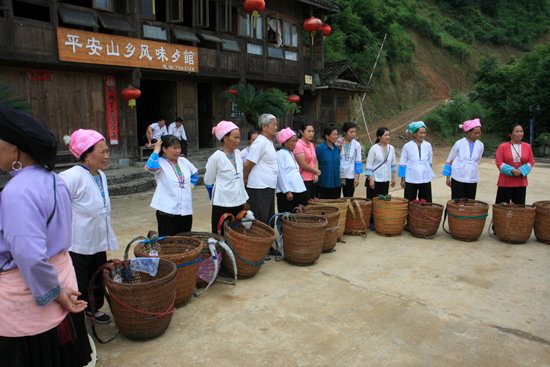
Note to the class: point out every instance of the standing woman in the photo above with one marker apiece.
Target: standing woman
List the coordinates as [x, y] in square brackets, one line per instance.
[42, 322]
[351, 160]
[380, 167]
[175, 177]
[224, 174]
[515, 160]
[291, 190]
[252, 135]
[307, 159]
[92, 231]
[463, 160]
[328, 155]
[415, 165]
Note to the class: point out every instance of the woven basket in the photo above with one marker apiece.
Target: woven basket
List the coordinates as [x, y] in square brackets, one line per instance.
[542, 221]
[143, 309]
[390, 216]
[466, 221]
[341, 204]
[206, 268]
[251, 247]
[513, 224]
[303, 238]
[424, 219]
[332, 214]
[179, 250]
[355, 223]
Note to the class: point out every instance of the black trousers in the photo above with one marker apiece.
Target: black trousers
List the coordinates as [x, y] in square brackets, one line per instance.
[422, 191]
[218, 211]
[515, 195]
[284, 205]
[463, 190]
[170, 225]
[348, 189]
[310, 186]
[262, 203]
[328, 192]
[380, 188]
[183, 145]
[85, 267]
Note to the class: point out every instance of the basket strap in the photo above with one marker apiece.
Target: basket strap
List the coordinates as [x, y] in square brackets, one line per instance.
[541, 212]
[91, 299]
[465, 217]
[424, 220]
[261, 262]
[444, 219]
[489, 228]
[130, 243]
[364, 235]
[277, 219]
[156, 315]
[198, 260]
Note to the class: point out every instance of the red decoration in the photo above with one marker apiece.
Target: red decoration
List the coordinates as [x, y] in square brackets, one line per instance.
[131, 94]
[233, 92]
[112, 116]
[293, 98]
[326, 29]
[254, 7]
[313, 24]
[36, 74]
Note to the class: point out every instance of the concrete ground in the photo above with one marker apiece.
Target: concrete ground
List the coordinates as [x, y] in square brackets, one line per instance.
[379, 301]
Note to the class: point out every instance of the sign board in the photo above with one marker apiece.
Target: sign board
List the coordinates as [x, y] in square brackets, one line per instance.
[309, 79]
[111, 101]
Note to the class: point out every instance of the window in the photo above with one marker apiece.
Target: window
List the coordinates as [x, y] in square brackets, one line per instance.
[200, 13]
[30, 11]
[246, 26]
[154, 33]
[75, 17]
[230, 45]
[148, 9]
[274, 31]
[174, 11]
[275, 52]
[182, 35]
[326, 102]
[223, 16]
[254, 49]
[342, 103]
[115, 23]
[103, 5]
[291, 55]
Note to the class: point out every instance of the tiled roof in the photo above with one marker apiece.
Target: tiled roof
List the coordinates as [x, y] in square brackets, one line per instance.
[325, 4]
[341, 75]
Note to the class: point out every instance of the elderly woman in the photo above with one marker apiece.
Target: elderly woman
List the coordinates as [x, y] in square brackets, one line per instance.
[260, 170]
[415, 165]
[92, 231]
[328, 155]
[223, 178]
[291, 190]
[351, 160]
[175, 177]
[252, 135]
[463, 160]
[307, 159]
[42, 322]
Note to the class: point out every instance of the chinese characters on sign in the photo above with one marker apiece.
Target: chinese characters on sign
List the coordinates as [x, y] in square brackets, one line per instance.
[35, 74]
[110, 100]
[98, 48]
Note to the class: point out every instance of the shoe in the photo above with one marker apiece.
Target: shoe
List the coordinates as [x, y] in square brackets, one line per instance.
[274, 252]
[372, 227]
[100, 317]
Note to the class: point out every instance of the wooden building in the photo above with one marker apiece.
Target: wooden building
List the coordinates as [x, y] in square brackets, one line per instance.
[72, 59]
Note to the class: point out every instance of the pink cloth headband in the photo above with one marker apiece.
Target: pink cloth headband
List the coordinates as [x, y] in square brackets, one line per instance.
[285, 134]
[82, 140]
[222, 128]
[470, 124]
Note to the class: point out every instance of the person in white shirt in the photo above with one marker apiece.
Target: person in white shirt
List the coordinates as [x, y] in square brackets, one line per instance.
[92, 233]
[175, 177]
[415, 165]
[351, 160]
[380, 167]
[260, 170]
[252, 135]
[155, 131]
[224, 174]
[176, 128]
[463, 160]
[291, 190]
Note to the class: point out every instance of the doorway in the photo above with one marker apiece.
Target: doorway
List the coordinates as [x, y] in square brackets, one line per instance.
[158, 98]
[205, 115]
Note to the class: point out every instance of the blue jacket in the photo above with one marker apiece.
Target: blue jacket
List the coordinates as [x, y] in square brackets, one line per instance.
[329, 165]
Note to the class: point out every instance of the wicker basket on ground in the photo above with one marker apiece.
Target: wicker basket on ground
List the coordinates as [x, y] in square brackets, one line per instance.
[513, 223]
[143, 309]
[390, 216]
[185, 252]
[358, 216]
[424, 219]
[341, 204]
[542, 221]
[332, 214]
[466, 221]
[250, 247]
[303, 237]
[206, 268]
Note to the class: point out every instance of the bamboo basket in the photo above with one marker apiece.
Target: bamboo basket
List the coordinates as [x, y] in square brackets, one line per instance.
[332, 214]
[251, 247]
[143, 309]
[206, 268]
[513, 224]
[341, 204]
[181, 251]
[466, 221]
[357, 224]
[303, 238]
[390, 216]
[542, 221]
[424, 219]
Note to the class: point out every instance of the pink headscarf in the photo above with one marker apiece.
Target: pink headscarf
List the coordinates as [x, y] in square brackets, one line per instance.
[470, 124]
[222, 128]
[285, 134]
[82, 140]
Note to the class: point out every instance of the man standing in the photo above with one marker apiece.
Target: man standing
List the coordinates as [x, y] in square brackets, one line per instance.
[176, 128]
[155, 131]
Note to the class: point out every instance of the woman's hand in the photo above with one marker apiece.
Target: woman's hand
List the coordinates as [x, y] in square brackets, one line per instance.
[448, 182]
[356, 181]
[289, 196]
[392, 182]
[516, 172]
[157, 146]
[403, 184]
[371, 182]
[66, 300]
[315, 178]
[318, 173]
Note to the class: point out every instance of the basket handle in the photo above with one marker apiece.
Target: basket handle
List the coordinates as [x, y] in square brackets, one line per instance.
[364, 235]
[129, 244]
[444, 219]
[91, 298]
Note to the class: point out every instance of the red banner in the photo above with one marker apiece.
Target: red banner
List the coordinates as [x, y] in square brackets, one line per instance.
[112, 117]
[35, 74]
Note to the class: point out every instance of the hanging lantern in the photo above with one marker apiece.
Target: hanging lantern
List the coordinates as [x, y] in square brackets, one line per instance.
[254, 7]
[293, 98]
[232, 91]
[326, 30]
[313, 25]
[131, 94]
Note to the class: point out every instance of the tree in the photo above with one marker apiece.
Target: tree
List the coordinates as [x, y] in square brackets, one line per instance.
[11, 98]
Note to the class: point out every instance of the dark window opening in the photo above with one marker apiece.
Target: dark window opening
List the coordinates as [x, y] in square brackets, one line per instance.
[31, 11]
[342, 103]
[187, 13]
[83, 3]
[326, 102]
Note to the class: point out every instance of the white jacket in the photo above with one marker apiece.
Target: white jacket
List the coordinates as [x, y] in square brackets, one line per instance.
[416, 169]
[347, 162]
[464, 164]
[228, 190]
[169, 197]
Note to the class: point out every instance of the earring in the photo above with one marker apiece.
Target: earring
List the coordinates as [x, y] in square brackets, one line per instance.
[15, 163]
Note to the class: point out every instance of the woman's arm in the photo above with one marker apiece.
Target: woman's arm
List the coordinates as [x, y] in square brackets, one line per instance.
[153, 164]
[301, 160]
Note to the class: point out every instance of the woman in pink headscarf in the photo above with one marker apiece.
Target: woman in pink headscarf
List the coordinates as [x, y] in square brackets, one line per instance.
[224, 174]
[291, 190]
[461, 165]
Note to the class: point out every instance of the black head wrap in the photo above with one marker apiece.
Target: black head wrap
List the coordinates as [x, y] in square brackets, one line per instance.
[28, 134]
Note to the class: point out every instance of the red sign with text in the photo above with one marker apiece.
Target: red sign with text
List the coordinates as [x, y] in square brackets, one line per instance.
[110, 99]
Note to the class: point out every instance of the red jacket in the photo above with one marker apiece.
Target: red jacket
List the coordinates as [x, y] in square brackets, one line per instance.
[504, 157]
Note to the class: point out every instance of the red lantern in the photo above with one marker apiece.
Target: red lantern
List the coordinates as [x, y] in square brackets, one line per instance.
[254, 7]
[131, 94]
[313, 25]
[293, 98]
[232, 91]
[326, 29]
